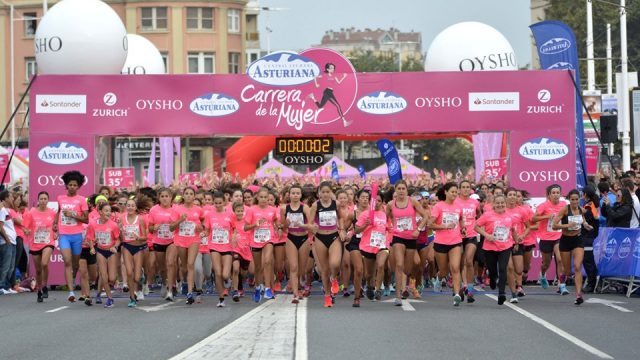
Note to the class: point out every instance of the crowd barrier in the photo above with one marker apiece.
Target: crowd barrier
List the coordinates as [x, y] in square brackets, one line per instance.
[617, 254]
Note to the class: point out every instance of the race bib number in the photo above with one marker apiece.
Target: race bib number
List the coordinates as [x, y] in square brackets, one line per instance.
[550, 225]
[575, 221]
[450, 218]
[418, 219]
[187, 228]
[220, 236]
[68, 221]
[42, 236]
[261, 235]
[131, 232]
[328, 218]
[501, 233]
[295, 219]
[103, 238]
[204, 240]
[404, 224]
[378, 240]
[164, 232]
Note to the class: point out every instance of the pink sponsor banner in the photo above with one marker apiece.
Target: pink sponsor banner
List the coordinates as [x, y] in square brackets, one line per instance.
[495, 168]
[592, 156]
[4, 164]
[190, 178]
[119, 177]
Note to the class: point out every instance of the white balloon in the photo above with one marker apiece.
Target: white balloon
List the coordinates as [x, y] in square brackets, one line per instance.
[81, 37]
[470, 46]
[143, 57]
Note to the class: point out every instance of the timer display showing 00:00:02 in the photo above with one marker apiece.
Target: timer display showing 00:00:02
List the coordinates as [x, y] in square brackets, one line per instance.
[310, 146]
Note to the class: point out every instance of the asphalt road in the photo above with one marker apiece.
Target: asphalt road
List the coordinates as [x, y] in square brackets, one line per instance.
[543, 325]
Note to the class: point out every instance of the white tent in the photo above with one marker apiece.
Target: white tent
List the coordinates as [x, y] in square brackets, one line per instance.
[19, 168]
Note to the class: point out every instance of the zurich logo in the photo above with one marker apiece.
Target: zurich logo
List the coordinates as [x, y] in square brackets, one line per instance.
[382, 103]
[561, 65]
[62, 153]
[555, 46]
[283, 68]
[214, 105]
[543, 149]
[394, 167]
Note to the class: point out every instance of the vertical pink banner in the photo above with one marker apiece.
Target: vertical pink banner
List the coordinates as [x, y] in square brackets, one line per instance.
[592, 156]
[485, 146]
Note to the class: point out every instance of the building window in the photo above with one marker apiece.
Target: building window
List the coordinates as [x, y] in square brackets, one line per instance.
[154, 18]
[199, 18]
[30, 24]
[195, 161]
[251, 57]
[201, 63]
[233, 20]
[31, 68]
[234, 63]
[165, 60]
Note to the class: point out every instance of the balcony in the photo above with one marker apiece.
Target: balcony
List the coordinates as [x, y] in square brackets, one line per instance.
[252, 36]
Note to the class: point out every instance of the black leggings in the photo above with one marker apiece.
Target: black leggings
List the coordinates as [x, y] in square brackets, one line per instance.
[497, 262]
[327, 95]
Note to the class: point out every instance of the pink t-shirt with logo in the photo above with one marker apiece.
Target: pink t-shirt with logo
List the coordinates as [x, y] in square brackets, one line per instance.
[404, 220]
[243, 239]
[374, 237]
[131, 230]
[41, 227]
[545, 229]
[204, 240]
[221, 225]
[519, 216]
[469, 210]
[265, 233]
[187, 232]
[444, 213]
[104, 236]
[77, 204]
[532, 237]
[163, 217]
[499, 225]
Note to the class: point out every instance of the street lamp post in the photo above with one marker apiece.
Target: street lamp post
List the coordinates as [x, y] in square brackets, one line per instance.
[626, 141]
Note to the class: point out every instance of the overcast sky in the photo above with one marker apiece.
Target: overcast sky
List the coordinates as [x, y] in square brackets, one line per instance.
[304, 22]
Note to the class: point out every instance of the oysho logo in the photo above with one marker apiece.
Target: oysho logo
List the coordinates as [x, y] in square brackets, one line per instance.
[394, 167]
[438, 102]
[61, 104]
[555, 46]
[110, 99]
[544, 96]
[494, 101]
[283, 68]
[504, 61]
[543, 149]
[159, 104]
[382, 103]
[62, 153]
[214, 105]
[625, 248]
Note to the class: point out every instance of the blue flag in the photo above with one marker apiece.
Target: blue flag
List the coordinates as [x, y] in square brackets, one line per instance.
[390, 155]
[363, 174]
[558, 50]
[334, 171]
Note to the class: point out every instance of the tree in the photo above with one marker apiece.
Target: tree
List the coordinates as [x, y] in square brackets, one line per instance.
[574, 14]
[368, 61]
[446, 154]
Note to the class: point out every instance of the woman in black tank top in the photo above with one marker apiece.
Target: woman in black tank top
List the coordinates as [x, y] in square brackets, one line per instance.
[295, 220]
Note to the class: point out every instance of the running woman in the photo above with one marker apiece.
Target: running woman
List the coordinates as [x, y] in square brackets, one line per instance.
[521, 216]
[529, 242]
[374, 246]
[73, 212]
[448, 223]
[263, 221]
[105, 234]
[353, 247]
[402, 212]
[203, 259]
[346, 212]
[163, 221]
[295, 220]
[570, 221]
[43, 243]
[329, 235]
[498, 230]
[241, 251]
[470, 212]
[278, 247]
[187, 240]
[549, 237]
[134, 237]
[220, 225]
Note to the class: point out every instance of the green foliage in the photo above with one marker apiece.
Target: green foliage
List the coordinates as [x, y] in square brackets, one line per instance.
[445, 154]
[368, 61]
[574, 14]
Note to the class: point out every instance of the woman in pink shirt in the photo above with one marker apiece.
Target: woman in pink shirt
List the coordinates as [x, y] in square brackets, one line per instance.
[448, 223]
[470, 211]
[521, 218]
[278, 247]
[353, 247]
[529, 242]
[134, 237]
[374, 246]
[499, 232]
[103, 236]
[203, 259]
[163, 221]
[43, 243]
[72, 213]
[187, 240]
[263, 221]
[220, 225]
[549, 237]
[241, 251]
[402, 213]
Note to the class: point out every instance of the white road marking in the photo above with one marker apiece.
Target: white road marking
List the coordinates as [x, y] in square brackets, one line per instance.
[406, 303]
[155, 308]
[609, 303]
[57, 309]
[572, 339]
[272, 326]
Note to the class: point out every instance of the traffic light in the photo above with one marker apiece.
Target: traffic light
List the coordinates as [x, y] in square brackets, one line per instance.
[425, 157]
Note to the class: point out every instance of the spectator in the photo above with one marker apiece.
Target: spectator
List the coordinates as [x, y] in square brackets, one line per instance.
[605, 192]
[631, 186]
[591, 205]
[7, 247]
[620, 213]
